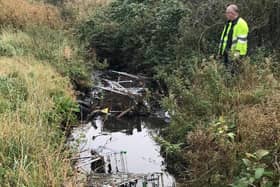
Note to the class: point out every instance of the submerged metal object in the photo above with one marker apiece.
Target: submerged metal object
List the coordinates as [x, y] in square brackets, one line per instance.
[118, 149]
[130, 180]
[128, 150]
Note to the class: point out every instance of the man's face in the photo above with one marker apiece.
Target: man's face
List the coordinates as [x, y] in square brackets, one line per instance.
[230, 14]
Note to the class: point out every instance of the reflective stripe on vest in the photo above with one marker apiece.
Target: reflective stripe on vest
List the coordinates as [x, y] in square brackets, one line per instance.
[239, 37]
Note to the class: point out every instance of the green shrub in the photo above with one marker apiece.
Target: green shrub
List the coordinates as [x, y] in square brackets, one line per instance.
[65, 108]
[134, 34]
[255, 171]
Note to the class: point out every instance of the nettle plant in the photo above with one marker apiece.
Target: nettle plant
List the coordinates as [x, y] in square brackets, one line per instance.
[255, 172]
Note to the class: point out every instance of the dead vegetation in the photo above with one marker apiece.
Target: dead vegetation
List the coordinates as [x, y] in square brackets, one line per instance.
[21, 13]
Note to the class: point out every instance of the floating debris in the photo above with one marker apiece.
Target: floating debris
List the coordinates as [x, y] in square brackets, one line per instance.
[121, 151]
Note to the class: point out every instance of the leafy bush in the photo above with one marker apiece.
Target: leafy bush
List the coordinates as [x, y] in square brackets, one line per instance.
[64, 109]
[255, 170]
[134, 34]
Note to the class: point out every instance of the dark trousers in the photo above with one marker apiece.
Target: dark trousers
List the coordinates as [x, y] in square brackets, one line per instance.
[232, 66]
[226, 59]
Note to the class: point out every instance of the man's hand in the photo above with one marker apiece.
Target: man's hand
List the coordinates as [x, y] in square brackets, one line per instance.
[234, 56]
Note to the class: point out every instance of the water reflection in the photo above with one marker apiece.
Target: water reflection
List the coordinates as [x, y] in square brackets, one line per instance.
[127, 145]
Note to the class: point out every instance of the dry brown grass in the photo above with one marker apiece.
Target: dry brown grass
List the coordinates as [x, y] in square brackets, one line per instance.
[251, 109]
[82, 9]
[211, 158]
[259, 126]
[21, 13]
[212, 155]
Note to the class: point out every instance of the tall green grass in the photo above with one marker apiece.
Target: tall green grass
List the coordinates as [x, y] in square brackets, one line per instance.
[48, 45]
[39, 61]
[32, 147]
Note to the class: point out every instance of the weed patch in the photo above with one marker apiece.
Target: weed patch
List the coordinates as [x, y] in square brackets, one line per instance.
[13, 92]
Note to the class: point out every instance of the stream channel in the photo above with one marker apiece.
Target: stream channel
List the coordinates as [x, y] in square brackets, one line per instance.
[116, 141]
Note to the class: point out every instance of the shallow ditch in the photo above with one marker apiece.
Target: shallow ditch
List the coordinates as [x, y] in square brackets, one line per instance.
[116, 144]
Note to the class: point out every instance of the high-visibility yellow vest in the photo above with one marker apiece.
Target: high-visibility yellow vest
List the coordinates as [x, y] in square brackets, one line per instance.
[239, 37]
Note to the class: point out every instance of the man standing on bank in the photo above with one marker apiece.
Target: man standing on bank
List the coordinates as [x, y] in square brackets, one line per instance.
[233, 43]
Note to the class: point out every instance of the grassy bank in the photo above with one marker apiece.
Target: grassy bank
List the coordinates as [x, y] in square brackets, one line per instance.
[32, 98]
[53, 46]
[40, 62]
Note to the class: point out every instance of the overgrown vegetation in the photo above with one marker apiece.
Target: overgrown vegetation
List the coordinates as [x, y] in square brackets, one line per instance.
[39, 61]
[221, 120]
[25, 33]
[134, 34]
[224, 128]
[31, 140]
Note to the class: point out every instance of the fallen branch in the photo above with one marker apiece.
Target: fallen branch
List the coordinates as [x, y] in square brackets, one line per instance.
[126, 74]
[89, 162]
[125, 112]
[114, 91]
[80, 158]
